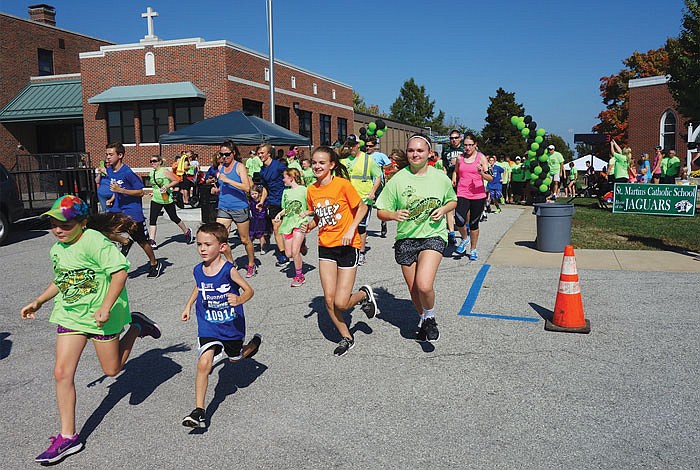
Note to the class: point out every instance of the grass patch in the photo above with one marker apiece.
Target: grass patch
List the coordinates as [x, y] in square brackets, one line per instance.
[595, 228]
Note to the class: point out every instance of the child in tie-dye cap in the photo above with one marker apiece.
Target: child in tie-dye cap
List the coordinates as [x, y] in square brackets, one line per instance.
[90, 302]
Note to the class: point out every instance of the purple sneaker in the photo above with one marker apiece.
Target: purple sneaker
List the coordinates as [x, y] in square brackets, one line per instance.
[148, 326]
[60, 448]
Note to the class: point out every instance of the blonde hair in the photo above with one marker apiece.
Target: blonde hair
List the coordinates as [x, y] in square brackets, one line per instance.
[295, 174]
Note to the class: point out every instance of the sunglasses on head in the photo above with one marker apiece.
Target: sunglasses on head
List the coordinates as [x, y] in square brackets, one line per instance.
[155, 161]
[225, 154]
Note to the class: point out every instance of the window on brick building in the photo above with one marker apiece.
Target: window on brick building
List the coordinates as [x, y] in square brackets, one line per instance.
[282, 116]
[342, 129]
[252, 108]
[324, 128]
[305, 127]
[120, 123]
[668, 130]
[294, 81]
[154, 120]
[188, 112]
[45, 62]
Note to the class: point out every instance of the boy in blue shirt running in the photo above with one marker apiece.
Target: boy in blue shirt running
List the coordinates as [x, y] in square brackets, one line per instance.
[218, 296]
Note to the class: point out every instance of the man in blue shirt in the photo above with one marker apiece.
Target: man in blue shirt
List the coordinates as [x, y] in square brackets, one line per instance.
[272, 175]
[128, 190]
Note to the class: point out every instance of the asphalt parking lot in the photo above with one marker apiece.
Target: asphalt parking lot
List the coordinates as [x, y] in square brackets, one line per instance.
[497, 391]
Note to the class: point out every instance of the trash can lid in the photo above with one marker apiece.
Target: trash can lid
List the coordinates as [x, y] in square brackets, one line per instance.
[557, 209]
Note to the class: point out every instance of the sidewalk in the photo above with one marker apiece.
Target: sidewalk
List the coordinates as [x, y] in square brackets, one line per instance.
[518, 248]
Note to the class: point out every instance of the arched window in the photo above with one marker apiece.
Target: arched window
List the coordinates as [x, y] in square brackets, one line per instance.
[150, 62]
[668, 130]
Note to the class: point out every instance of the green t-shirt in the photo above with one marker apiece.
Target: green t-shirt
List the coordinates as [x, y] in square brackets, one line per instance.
[308, 176]
[294, 164]
[620, 165]
[253, 165]
[293, 203]
[361, 180]
[517, 172]
[555, 160]
[573, 174]
[160, 180]
[82, 272]
[673, 166]
[421, 195]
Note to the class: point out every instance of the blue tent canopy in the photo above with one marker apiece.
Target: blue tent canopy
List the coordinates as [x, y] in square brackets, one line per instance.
[235, 126]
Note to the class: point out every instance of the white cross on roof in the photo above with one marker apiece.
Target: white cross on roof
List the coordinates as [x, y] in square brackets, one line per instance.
[150, 14]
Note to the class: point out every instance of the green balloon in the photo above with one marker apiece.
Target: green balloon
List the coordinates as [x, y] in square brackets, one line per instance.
[537, 170]
[541, 132]
[543, 188]
[372, 125]
[534, 146]
[533, 177]
[531, 153]
[362, 143]
[525, 132]
[539, 139]
[370, 131]
[380, 132]
[543, 158]
[514, 120]
[520, 125]
[547, 181]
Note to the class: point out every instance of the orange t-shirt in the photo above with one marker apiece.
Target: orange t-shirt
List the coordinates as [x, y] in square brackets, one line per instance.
[335, 206]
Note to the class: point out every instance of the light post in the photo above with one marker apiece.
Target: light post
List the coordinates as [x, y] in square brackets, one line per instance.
[272, 61]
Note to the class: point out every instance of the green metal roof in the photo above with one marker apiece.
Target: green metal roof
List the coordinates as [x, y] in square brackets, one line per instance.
[156, 91]
[45, 100]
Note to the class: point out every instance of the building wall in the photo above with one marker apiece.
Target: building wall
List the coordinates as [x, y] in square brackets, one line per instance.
[226, 73]
[19, 60]
[647, 105]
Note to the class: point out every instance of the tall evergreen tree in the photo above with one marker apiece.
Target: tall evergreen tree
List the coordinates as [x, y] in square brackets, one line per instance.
[414, 106]
[684, 63]
[499, 136]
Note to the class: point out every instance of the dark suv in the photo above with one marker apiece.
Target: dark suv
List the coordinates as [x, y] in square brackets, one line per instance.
[11, 208]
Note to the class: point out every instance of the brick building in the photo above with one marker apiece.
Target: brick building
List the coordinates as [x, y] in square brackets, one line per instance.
[653, 119]
[135, 92]
[34, 54]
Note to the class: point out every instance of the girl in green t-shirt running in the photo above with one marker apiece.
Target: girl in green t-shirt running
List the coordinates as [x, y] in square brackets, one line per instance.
[90, 302]
[418, 197]
[162, 181]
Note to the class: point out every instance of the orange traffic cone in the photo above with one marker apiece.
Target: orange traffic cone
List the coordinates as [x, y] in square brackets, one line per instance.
[568, 308]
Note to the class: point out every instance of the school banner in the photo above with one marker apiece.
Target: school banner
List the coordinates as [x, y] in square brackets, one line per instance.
[655, 199]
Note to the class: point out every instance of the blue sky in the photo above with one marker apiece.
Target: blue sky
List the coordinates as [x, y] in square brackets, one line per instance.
[550, 53]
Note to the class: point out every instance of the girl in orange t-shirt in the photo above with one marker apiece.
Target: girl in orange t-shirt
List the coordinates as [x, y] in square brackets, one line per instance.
[337, 211]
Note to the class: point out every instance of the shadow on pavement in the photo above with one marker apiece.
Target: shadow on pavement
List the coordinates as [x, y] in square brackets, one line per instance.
[398, 312]
[326, 326]
[544, 312]
[144, 268]
[5, 345]
[140, 377]
[231, 378]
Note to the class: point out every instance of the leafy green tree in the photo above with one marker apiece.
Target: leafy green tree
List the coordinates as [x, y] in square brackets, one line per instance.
[684, 63]
[615, 90]
[499, 136]
[359, 105]
[414, 106]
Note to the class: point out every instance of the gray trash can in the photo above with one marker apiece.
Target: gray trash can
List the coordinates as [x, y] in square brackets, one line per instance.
[553, 226]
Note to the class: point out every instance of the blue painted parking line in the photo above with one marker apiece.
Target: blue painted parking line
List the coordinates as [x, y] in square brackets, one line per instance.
[469, 302]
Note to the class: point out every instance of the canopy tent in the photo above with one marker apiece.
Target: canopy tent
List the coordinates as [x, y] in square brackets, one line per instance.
[235, 126]
[580, 163]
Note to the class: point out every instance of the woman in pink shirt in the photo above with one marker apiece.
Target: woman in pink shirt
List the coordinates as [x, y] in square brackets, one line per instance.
[469, 175]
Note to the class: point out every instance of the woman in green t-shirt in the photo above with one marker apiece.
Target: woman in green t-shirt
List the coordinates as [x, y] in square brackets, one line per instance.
[162, 182]
[623, 161]
[418, 197]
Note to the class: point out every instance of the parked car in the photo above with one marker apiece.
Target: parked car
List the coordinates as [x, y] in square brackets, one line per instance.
[11, 207]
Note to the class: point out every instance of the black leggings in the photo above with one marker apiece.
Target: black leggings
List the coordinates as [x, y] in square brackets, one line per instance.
[169, 209]
[475, 207]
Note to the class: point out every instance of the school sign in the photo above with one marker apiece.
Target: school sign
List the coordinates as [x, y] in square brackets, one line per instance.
[655, 199]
